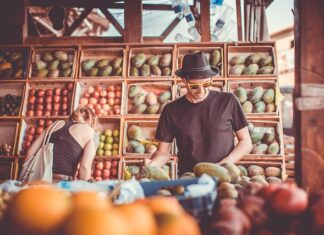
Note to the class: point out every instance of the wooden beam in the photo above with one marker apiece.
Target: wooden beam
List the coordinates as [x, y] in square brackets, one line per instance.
[72, 41]
[157, 7]
[171, 27]
[77, 22]
[113, 21]
[239, 20]
[133, 21]
[74, 3]
[205, 21]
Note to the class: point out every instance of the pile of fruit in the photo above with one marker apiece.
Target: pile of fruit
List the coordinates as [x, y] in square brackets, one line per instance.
[5, 198]
[49, 102]
[105, 170]
[143, 100]
[258, 100]
[12, 64]
[53, 64]
[154, 65]
[263, 140]
[6, 149]
[146, 173]
[109, 143]
[253, 64]
[32, 133]
[102, 67]
[103, 100]
[10, 105]
[138, 143]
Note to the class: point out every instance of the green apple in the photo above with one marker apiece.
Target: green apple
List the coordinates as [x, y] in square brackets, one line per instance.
[108, 153]
[109, 140]
[107, 147]
[102, 138]
[101, 145]
[100, 152]
[115, 133]
[108, 132]
[115, 152]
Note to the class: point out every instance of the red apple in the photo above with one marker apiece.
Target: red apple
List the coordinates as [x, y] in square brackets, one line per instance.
[29, 137]
[97, 173]
[98, 178]
[26, 144]
[98, 88]
[48, 107]
[90, 89]
[93, 101]
[111, 101]
[117, 101]
[65, 99]
[49, 92]
[114, 164]
[39, 130]
[105, 173]
[113, 172]
[117, 110]
[65, 92]
[47, 113]
[39, 113]
[57, 91]
[40, 107]
[111, 88]
[48, 99]
[55, 113]
[86, 95]
[103, 93]
[70, 86]
[111, 95]
[96, 94]
[84, 101]
[118, 94]
[41, 122]
[31, 130]
[56, 98]
[40, 100]
[48, 122]
[31, 99]
[30, 106]
[100, 112]
[56, 106]
[64, 113]
[118, 88]
[106, 107]
[99, 165]
[97, 107]
[40, 93]
[107, 165]
[64, 106]
[32, 91]
[102, 101]
[110, 112]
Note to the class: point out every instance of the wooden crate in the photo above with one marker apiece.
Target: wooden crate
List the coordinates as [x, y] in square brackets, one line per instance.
[250, 85]
[181, 90]
[246, 50]
[7, 169]
[36, 55]
[9, 133]
[16, 64]
[149, 51]
[69, 86]
[120, 164]
[83, 87]
[139, 161]
[17, 89]
[108, 53]
[112, 124]
[155, 87]
[181, 51]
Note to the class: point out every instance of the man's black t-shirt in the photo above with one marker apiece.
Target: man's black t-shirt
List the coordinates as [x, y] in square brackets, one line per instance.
[204, 130]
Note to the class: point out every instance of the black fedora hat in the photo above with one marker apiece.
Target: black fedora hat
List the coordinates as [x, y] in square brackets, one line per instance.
[196, 65]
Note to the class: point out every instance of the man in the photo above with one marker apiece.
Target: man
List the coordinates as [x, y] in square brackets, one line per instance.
[202, 121]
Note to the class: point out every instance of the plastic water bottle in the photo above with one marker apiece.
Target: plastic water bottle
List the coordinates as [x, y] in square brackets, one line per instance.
[227, 12]
[193, 32]
[177, 8]
[180, 38]
[223, 33]
[188, 15]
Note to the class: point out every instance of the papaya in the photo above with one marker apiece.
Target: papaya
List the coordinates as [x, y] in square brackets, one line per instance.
[237, 69]
[253, 59]
[164, 96]
[247, 107]
[259, 148]
[212, 169]
[153, 109]
[117, 62]
[270, 108]
[215, 57]
[259, 107]
[268, 96]
[243, 170]
[138, 60]
[165, 60]
[166, 71]
[234, 171]
[273, 180]
[266, 70]
[139, 109]
[255, 170]
[151, 99]
[155, 173]
[86, 65]
[251, 69]
[156, 70]
[269, 136]
[61, 55]
[238, 59]
[47, 56]
[272, 171]
[273, 148]
[241, 94]
[256, 94]
[153, 60]
[102, 63]
[133, 71]
[134, 91]
[145, 70]
[226, 190]
[265, 60]
[134, 132]
[105, 71]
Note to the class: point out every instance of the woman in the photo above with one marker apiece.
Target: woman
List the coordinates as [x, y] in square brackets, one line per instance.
[75, 141]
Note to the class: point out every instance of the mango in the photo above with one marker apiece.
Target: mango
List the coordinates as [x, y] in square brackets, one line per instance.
[272, 171]
[19, 73]
[266, 70]
[155, 173]
[212, 169]
[67, 72]
[153, 60]
[47, 56]
[134, 132]
[38, 65]
[166, 71]
[61, 55]
[257, 134]
[254, 170]
[226, 190]
[164, 96]
[238, 59]
[150, 148]
[145, 70]
[139, 109]
[105, 71]
[237, 69]
[259, 179]
[86, 65]
[156, 70]
[15, 55]
[265, 60]
[54, 73]
[138, 60]
[215, 57]
[93, 72]
[66, 65]
[42, 73]
[259, 148]
[268, 96]
[139, 99]
[253, 59]
[117, 62]
[256, 94]
[165, 60]
[53, 65]
[134, 71]
[153, 109]
[134, 90]
[241, 94]
[243, 170]
[135, 147]
[273, 180]
[269, 136]
[234, 171]
[134, 170]
[102, 63]
[259, 107]
[273, 148]
[270, 108]
[118, 71]
[247, 107]
[5, 65]
[251, 69]
[151, 99]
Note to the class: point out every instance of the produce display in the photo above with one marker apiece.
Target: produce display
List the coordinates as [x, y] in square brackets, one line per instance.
[5, 198]
[147, 100]
[102, 67]
[6, 149]
[53, 64]
[146, 173]
[257, 100]
[105, 170]
[138, 143]
[49, 102]
[12, 64]
[151, 65]
[253, 64]
[263, 140]
[10, 105]
[103, 100]
[109, 143]
[33, 131]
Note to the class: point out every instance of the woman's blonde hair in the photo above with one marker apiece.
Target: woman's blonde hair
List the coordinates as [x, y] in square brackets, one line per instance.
[86, 114]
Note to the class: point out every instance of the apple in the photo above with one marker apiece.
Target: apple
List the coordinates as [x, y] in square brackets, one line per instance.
[65, 92]
[57, 91]
[103, 93]
[102, 101]
[114, 164]
[90, 89]
[111, 88]
[99, 165]
[48, 122]
[117, 101]
[32, 91]
[111, 102]
[40, 107]
[65, 99]
[47, 113]
[31, 99]
[98, 178]
[93, 101]
[56, 106]
[49, 92]
[107, 165]
[105, 173]
[113, 172]
[84, 101]
[97, 173]
[64, 106]
[40, 100]
[118, 94]
[39, 113]
[31, 130]
[48, 99]
[110, 112]
[97, 107]
[40, 93]
[41, 122]
[70, 86]
[48, 107]
[86, 95]
[55, 113]
[96, 94]
[64, 113]
[30, 106]
[98, 88]
[106, 107]
[111, 94]
[56, 98]
[39, 130]
[26, 144]
[118, 88]
[29, 137]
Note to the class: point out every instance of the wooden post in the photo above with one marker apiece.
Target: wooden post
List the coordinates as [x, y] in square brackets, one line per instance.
[309, 91]
[239, 20]
[205, 20]
[133, 21]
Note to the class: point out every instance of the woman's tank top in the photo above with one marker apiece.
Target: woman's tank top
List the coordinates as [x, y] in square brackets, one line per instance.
[67, 151]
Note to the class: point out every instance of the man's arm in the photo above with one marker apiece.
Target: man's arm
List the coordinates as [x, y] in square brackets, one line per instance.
[161, 156]
[243, 147]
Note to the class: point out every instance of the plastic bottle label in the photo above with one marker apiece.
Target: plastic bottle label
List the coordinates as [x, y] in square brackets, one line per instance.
[190, 18]
[177, 9]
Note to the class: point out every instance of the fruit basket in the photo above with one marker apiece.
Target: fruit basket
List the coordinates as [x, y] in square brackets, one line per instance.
[103, 63]
[181, 90]
[53, 63]
[150, 62]
[147, 98]
[13, 63]
[214, 55]
[251, 61]
[106, 97]
[48, 99]
[9, 135]
[107, 169]
[257, 98]
[11, 97]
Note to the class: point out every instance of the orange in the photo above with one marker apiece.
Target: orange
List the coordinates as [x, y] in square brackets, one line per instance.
[178, 225]
[91, 200]
[161, 205]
